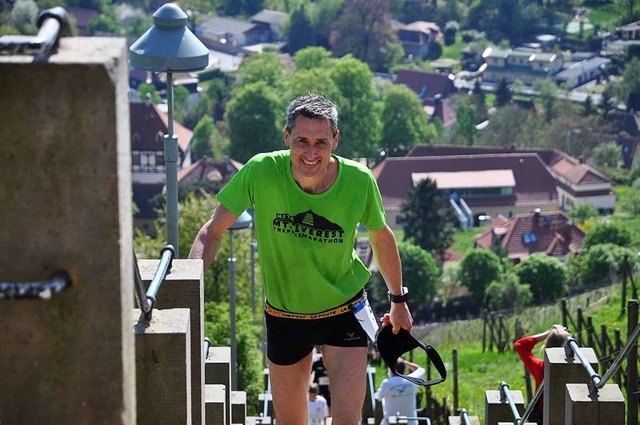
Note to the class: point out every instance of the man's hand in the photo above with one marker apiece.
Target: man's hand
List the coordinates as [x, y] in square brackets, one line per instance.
[398, 317]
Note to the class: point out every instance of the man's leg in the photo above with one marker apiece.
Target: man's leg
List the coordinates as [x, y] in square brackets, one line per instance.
[347, 379]
[289, 385]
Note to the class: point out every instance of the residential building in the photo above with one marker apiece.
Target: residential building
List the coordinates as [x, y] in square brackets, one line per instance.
[550, 233]
[478, 185]
[149, 125]
[416, 38]
[582, 72]
[525, 65]
[576, 182]
[433, 89]
[272, 23]
[229, 35]
[210, 174]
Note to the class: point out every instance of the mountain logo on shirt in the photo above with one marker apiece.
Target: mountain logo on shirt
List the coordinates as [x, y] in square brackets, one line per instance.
[309, 225]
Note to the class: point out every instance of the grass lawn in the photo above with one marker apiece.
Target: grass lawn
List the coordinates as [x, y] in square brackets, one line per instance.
[478, 371]
[454, 51]
[606, 17]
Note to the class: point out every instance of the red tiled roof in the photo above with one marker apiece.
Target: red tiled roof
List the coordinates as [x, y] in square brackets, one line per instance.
[215, 171]
[426, 84]
[555, 235]
[151, 124]
[534, 183]
[560, 162]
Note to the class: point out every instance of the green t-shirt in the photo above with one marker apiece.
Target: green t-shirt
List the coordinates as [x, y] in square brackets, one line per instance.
[305, 241]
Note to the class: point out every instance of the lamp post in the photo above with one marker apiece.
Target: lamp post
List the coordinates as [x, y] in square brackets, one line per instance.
[242, 222]
[169, 46]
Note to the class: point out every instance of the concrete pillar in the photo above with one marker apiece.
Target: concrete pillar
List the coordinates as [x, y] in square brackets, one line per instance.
[163, 362]
[184, 288]
[606, 407]
[66, 205]
[473, 420]
[499, 411]
[217, 370]
[368, 408]
[215, 404]
[559, 371]
[238, 407]
[270, 411]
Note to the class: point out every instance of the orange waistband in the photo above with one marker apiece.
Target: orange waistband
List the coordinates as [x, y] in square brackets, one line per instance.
[272, 311]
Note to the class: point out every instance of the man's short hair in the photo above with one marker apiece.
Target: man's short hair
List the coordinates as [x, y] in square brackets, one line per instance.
[400, 367]
[314, 388]
[312, 106]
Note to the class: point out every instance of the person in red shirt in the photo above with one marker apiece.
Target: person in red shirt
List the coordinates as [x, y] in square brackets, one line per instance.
[553, 337]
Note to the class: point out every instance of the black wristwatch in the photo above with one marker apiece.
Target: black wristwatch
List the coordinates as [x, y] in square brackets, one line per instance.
[399, 298]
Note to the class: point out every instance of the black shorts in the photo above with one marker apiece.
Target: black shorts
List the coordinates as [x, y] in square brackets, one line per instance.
[290, 340]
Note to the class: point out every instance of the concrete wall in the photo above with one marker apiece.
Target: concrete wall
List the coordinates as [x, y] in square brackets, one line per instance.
[66, 204]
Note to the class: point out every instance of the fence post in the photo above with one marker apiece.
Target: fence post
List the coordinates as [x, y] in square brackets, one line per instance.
[484, 329]
[632, 366]
[617, 349]
[580, 323]
[563, 306]
[623, 301]
[590, 337]
[454, 354]
[604, 358]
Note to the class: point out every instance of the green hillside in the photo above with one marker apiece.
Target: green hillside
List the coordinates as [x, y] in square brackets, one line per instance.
[478, 371]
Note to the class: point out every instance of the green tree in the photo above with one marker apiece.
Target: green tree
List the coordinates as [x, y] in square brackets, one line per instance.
[582, 212]
[148, 91]
[359, 116]
[404, 122]
[311, 58]
[628, 89]
[426, 222]
[608, 232]
[264, 67]
[603, 261]
[364, 30]
[546, 276]
[300, 33]
[631, 201]
[317, 80]
[548, 94]
[503, 94]
[465, 125]
[478, 269]
[253, 118]
[23, 16]
[324, 15]
[201, 144]
[608, 155]
[507, 293]
[249, 367]
[420, 273]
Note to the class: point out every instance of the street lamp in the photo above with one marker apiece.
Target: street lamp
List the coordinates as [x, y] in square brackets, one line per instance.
[169, 46]
[242, 222]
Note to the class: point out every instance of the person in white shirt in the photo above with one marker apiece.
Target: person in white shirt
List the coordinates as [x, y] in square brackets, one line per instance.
[398, 395]
[318, 410]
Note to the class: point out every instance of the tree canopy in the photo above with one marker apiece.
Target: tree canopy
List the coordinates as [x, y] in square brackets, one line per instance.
[426, 222]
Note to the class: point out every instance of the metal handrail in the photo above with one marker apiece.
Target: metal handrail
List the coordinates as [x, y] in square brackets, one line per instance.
[532, 403]
[52, 24]
[147, 300]
[207, 345]
[464, 417]
[617, 362]
[43, 290]
[571, 347]
[400, 417]
[505, 395]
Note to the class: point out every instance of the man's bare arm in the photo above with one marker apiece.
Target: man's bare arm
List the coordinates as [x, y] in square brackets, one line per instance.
[387, 258]
[207, 241]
